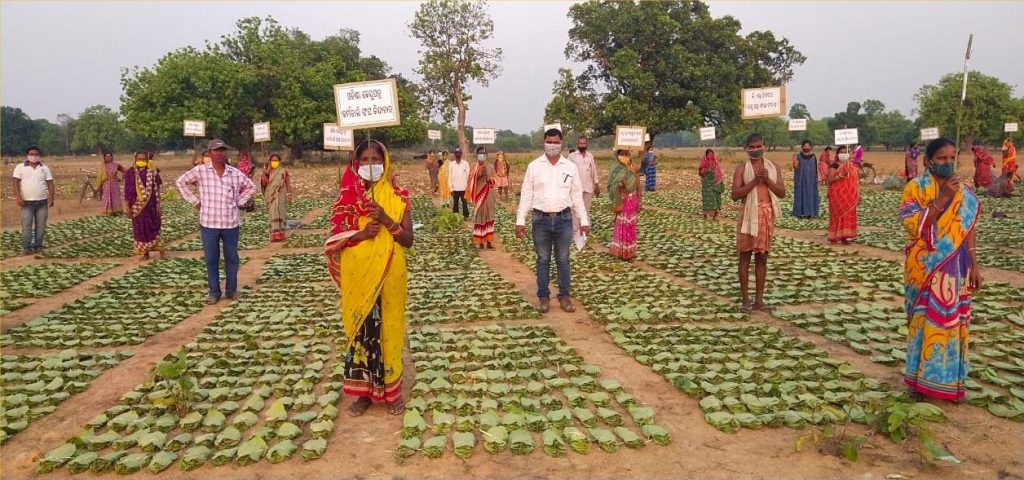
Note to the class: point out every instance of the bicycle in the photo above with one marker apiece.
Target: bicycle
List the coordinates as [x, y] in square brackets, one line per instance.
[866, 173]
[87, 187]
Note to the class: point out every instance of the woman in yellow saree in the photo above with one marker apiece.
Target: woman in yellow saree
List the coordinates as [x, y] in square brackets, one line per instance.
[371, 228]
[444, 192]
[941, 273]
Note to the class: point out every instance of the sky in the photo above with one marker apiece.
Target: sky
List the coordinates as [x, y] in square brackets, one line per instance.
[60, 57]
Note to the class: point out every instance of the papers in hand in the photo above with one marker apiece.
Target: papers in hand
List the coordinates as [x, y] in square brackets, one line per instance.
[581, 239]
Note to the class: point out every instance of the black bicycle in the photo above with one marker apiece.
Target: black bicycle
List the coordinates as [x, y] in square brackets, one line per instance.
[866, 173]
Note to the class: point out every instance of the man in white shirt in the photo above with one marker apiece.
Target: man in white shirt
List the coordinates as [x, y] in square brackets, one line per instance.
[458, 179]
[552, 195]
[584, 161]
[33, 191]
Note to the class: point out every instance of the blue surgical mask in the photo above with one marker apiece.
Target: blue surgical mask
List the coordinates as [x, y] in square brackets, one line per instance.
[943, 171]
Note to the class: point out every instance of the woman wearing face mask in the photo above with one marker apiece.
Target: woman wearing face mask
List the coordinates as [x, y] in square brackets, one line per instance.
[805, 182]
[277, 190]
[142, 195]
[824, 162]
[624, 194]
[941, 274]
[481, 194]
[843, 197]
[501, 172]
[371, 228]
[110, 184]
[711, 185]
[445, 191]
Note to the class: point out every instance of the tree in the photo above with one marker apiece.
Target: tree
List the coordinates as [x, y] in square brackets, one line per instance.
[989, 104]
[774, 130]
[51, 137]
[19, 131]
[98, 128]
[670, 64]
[799, 110]
[893, 129]
[572, 106]
[451, 34]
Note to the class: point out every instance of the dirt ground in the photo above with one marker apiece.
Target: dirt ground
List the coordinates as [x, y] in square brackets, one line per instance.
[360, 448]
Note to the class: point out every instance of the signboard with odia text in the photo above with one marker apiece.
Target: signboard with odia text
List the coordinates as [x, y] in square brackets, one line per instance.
[367, 104]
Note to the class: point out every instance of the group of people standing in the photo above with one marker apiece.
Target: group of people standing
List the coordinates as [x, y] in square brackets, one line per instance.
[841, 177]
[1003, 185]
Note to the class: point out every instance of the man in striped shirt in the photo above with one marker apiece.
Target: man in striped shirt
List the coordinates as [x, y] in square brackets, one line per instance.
[222, 190]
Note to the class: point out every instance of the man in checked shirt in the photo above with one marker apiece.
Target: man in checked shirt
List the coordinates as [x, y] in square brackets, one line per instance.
[222, 190]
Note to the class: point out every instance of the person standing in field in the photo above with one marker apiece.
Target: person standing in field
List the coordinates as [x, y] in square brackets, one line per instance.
[34, 193]
[222, 191]
[649, 166]
[142, 195]
[277, 190]
[552, 194]
[1009, 167]
[584, 161]
[458, 180]
[823, 163]
[805, 182]
[624, 195]
[110, 184]
[758, 184]
[910, 161]
[983, 163]
[432, 167]
[940, 276]
[371, 228]
[501, 172]
[843, 198]
[481, 193]
[712, 184]
[445, 190]
[858, 155]
[245, 164]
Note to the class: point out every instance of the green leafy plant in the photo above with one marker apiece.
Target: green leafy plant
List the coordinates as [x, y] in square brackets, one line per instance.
[172, 374]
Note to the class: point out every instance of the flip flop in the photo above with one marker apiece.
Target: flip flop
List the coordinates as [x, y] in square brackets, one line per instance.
[358, 408]
[397, 408]
[765, 308]
[746, 308]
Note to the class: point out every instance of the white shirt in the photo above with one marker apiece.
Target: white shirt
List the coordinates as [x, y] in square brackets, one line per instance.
[458, 175]
[588, 170]
[33, 181]
[552, 188]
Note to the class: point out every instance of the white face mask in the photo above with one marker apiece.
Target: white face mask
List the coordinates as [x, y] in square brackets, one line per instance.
[371, 173]
[844, 156]
[481, 157]
[552, 149]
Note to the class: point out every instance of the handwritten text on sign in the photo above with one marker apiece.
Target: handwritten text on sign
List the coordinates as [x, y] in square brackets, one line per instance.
[763, 102]
[629, 137]
[367, 104]
[707, 133]
[929, 133]
[195, 128]
[847, 136]
[484, 136]
[337, 138]
[261, 132]
[798, 124]
[433, 134]
[1009, 127]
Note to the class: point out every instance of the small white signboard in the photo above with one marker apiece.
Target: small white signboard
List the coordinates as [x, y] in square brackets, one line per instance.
[194, 128]
[1010, 127]
[763, 102]
[707, 133]
[929, 133]
[556, 126]
[433, 134]
[261, 132]
[337, 138]
[798, 124]
[484, 136]
[846, 136]
[367, 104]
[630, 136]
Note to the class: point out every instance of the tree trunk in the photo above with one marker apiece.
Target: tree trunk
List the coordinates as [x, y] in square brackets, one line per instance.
[461, 119]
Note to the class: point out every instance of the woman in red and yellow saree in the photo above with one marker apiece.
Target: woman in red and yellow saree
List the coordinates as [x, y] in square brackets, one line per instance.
[843, 197]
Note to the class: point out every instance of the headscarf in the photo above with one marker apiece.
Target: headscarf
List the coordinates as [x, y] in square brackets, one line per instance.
[710, 162]
[369, 264]
[244, 164]
[620, 171]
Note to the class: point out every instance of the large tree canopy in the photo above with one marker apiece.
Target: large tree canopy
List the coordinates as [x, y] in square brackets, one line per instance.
[989, 104]
[670, 65]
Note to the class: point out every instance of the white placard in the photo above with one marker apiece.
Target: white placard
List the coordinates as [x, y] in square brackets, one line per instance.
[367, 104]
[484, 136]
[798, 124]
[647, 137]
[846, 136]
[433, 134]
[194, 128]
[337, 138]
[556, 126]
[763, 102]
[630, 136]
[261, 132]
[1010, 127]
[707, 133]
[929, 133]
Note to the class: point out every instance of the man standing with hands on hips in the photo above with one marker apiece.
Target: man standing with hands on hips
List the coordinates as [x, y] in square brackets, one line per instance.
[222, 190]
[584, 161]
[552, 194]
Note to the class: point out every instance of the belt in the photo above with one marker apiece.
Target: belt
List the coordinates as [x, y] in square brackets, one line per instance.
[550, 214]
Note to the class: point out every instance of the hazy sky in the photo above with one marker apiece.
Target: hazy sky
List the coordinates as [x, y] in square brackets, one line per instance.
[60, 57]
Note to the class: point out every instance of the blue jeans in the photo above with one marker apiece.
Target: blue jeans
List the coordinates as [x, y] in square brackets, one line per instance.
[552, 233]
[211, 252]
[33, 225]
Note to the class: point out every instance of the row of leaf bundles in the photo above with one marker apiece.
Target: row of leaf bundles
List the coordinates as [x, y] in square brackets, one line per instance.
[288, 367]
[495, 382]
[556, 441]
[518, 416]
[276, 323]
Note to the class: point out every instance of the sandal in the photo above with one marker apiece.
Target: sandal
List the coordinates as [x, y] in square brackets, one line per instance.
[359, 407]
[397, 408]
[764, 307]
[745, 308]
